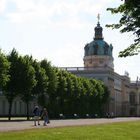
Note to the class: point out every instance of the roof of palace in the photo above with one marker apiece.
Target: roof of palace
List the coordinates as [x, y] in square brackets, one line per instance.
[98, 46]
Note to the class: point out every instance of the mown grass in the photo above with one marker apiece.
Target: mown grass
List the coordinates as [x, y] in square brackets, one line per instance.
[114, 131]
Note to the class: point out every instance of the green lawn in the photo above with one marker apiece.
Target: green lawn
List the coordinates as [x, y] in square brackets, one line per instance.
[114, 131]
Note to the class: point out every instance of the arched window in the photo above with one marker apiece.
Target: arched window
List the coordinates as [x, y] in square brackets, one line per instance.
[132, 98]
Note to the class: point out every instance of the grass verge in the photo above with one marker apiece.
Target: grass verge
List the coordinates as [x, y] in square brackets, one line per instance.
[114, 131]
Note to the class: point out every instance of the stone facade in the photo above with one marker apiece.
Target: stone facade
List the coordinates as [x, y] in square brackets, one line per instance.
[124, 97]
[18, 107]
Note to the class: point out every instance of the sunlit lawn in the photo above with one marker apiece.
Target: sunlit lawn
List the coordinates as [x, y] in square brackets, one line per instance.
[114, 131]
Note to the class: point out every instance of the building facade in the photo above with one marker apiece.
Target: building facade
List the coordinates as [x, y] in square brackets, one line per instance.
[124, 97]
[19, 108]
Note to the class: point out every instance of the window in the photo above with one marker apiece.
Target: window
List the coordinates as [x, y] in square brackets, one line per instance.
[3, 107]
[139, 98]
[20, 107]
[132, 99]
[15, 107]
[101, 61]
[0, 92]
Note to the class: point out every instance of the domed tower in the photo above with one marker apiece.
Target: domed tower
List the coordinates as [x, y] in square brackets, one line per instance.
[98, 53]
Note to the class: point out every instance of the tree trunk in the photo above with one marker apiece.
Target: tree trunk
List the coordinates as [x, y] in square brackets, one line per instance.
[10, 109]
[27, 105]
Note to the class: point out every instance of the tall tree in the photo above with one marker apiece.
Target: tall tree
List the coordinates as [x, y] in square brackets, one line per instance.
[61, 91]
[4, 68]
[75, 99]
[27, 80]
[129, 22]
[40, 90]
[51, 73]
[11, 88]
[82, 96]
[88, 88]
[70, 91]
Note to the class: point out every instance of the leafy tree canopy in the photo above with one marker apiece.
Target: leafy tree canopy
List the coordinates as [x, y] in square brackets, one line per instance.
[129, 22]
[4, 68]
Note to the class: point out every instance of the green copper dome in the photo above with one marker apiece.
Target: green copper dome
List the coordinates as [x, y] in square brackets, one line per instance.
[98, 46]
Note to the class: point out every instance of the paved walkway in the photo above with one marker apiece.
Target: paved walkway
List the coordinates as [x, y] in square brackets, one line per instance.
[20, 125]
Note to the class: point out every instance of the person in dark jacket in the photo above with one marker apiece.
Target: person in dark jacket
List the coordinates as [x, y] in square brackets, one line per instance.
[36, 113]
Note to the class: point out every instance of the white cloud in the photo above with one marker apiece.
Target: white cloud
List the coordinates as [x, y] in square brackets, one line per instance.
[59, 13]
[63, 57]
[2, 6]
[24, 5]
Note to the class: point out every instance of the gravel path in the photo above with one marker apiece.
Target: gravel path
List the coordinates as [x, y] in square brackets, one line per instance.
[21, 125]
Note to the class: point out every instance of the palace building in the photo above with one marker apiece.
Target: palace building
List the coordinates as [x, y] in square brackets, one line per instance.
[98, 60]
[124, 97]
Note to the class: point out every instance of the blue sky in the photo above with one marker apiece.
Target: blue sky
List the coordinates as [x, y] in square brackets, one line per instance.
[59, 29]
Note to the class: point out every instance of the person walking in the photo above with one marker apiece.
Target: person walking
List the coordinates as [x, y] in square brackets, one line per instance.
[36, 113]
[45, 116]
